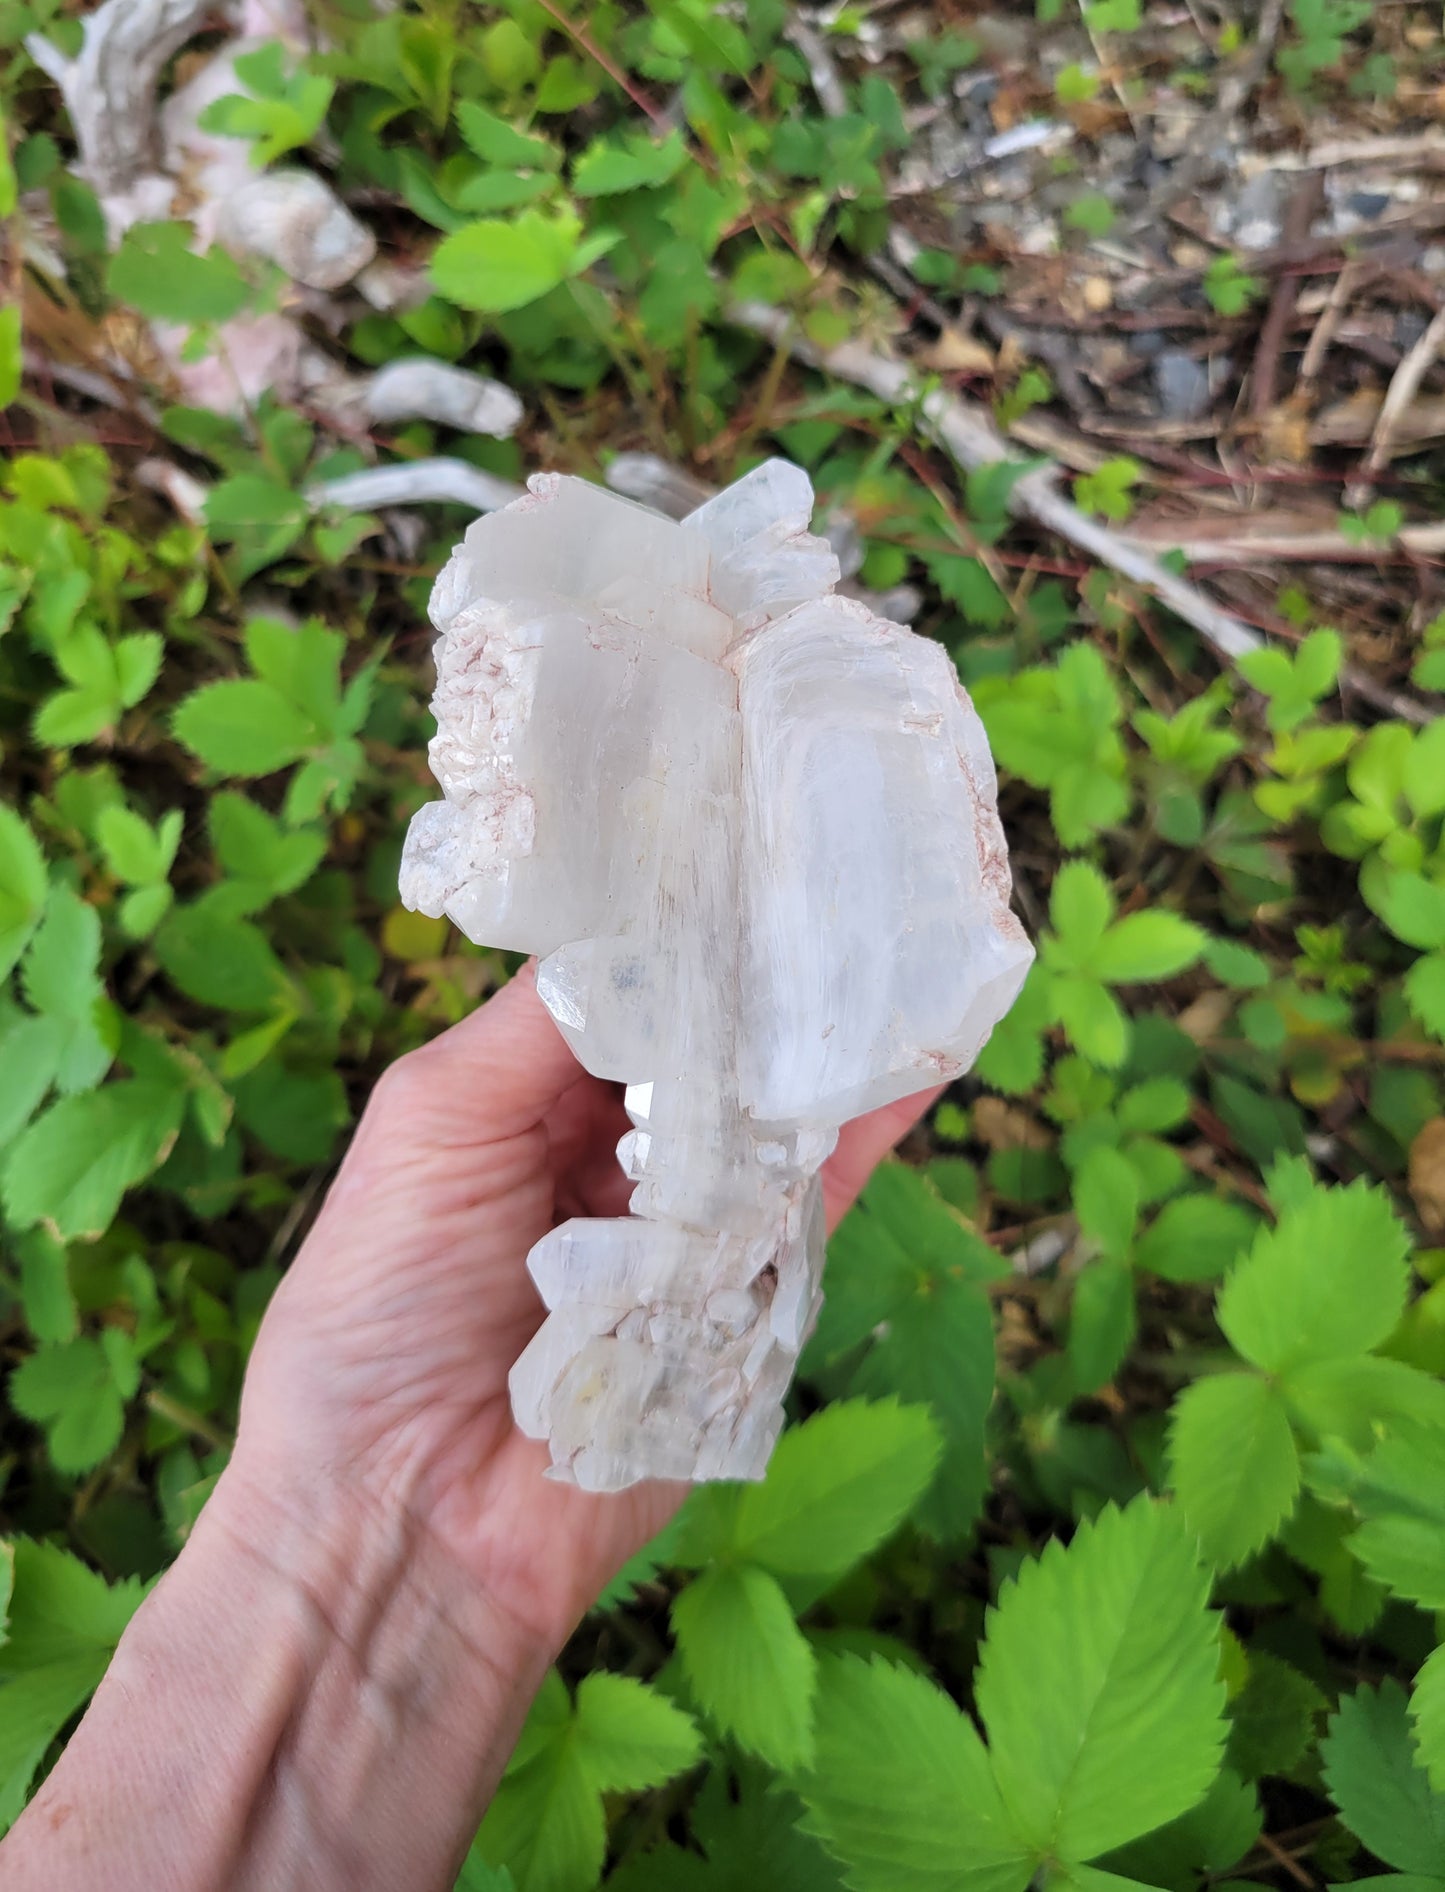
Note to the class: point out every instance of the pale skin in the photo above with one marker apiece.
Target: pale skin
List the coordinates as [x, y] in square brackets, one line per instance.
[324, 1689]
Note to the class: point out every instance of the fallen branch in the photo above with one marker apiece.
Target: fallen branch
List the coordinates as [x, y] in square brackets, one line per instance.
[416, 483]
[968, 435]
[1399, 398]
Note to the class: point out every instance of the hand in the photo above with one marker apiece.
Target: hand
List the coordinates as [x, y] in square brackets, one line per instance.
[384, 1356]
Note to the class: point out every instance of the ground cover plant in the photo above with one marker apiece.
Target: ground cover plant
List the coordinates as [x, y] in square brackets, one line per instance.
[1107, 1545]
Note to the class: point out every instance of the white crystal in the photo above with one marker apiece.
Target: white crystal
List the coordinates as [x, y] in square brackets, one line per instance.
[751, 831]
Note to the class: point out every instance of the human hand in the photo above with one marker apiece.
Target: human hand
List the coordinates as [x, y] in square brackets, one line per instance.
[385, 1354]
[345, 1650]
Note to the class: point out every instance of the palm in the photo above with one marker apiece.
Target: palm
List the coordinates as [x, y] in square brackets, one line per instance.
[393, 1335]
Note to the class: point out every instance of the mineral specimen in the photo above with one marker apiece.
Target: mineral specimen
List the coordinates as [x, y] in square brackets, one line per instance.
[750, 830]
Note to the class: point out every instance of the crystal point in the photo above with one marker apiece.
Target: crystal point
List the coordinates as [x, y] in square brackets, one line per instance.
[751, 831]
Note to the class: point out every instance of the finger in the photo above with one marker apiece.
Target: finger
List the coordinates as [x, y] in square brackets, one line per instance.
[498, 1073]
[863, 1144]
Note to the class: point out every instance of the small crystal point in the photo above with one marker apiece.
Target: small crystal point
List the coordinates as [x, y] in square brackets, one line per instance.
[751, 830]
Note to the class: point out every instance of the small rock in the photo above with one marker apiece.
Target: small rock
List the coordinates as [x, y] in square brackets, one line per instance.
[1368, 205]
[1098, 294]
[1182, 385]
[1147, 343]
[1256, 217]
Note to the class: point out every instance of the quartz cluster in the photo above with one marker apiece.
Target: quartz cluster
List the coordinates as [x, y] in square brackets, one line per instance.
[750, 830]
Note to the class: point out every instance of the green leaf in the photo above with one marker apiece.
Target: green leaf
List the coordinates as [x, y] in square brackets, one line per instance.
[1425, 992]
[1095, 1023]
[71, 1390]
[243, 728]
[1399, 1493]
[1273, 1718]
[633, 162]
[260, 516]
[1129, 1731]
[905, 1286]
[63, 1627]
[1106, 1199]
[837, 1485]
[156, 271]
[264, 859]
[1194, 1238]
[1102, 1322]
[72, 1166]
[1147, 946]
[135, 852]
[494, 265]
[22, 886]
[59, 974]
[747, 1662]
[1412, 907]
[30, 1054]
[1374, 1776]
[1081, 906]
[496, 142]
[222, 961]
[1233, 1463]
[1427, 1711]
[12, 354]
[545, 1823]
[45, 1291]
[137, 664]
[901, 1790]
[631, 1737]
[1353, 1398]
[1329, 1280]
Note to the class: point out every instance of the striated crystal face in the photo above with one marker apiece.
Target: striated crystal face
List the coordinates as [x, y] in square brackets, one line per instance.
[751, 831]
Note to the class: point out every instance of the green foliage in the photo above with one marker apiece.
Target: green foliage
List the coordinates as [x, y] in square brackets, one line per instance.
[1133, 1702]
[1229, 287]
[1373, 1772]
[1158, 1274]
[63, 1623]
[281, 109]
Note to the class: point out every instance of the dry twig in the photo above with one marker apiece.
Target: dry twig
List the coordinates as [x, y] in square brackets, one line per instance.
[1400, 396]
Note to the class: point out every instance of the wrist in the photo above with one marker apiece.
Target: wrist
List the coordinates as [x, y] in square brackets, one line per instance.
[313, 1696]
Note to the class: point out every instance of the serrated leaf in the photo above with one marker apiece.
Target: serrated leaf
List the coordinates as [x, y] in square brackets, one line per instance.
[1106, 1199]
[22, 886]
[156, 271]
[1233, 1463]
[1329, 1280]
[1147, 946]
[137, 664]
[1427, 1712]
[30, 1054]
[220, 960]
[1399, 1494]
[71, 1390]
[905, 1284]
[265, 859]
[748, 1664]
[495, 265]
[1374, 1776]
[59, 972]
[632, 162]
[836, 1487]
[629, 1736]
[45, 1291]
[1081, 905]
[72, 1166]
[1352, 1399]
[1130, 1729]
[1272, 1719]
[545, 1824]
[496, 142]
[1102, 1322]
[243, 728]
[1194, 1238]
[63, 1627]
[901, 1792]
[1412, 907]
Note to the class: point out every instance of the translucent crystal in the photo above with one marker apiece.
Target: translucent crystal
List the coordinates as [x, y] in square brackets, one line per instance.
[750, 829]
